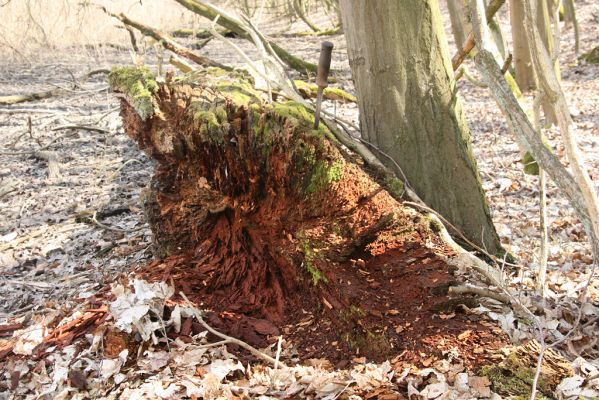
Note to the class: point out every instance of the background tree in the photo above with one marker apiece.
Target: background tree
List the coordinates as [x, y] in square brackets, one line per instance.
[460, 21]
[409, 108]
[522, 62]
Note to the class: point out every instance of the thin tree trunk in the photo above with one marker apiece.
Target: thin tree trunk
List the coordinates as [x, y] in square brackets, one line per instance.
[460, 21]
[570, 17]
[409, 110]
[299, 10]
[543, 21]
[522, 62]
[577, 186]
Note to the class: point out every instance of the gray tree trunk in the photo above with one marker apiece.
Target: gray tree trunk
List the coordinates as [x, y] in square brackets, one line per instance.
[409, 108]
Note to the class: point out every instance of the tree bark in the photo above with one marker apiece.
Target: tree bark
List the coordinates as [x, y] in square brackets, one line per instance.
[522, 62]
[460, 21]
[543, 22]
[409, 108]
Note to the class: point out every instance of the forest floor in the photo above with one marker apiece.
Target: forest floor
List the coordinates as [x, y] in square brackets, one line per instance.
[64, 236]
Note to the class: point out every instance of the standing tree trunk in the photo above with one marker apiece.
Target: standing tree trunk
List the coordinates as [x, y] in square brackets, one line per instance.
[543, 20]
[409, 109]
[460, 21]
[522, 62]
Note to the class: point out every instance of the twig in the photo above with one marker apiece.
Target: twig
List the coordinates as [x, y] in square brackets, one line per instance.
[456, 230]
[279, 342]
[542, 271]
[482, 292]
[215, 344]
[110, 228]
[168, 42]
[198, 315]
[41, 285]
[34, 151]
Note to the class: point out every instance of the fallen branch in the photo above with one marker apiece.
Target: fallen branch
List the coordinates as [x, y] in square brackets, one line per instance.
[231, 23]
[527, 135]
[23, 98]
[326, 32]
[309, 91]
[82, 127]
[34, 151]
[549, 84]
[228, 339]
[180, 64]
[481, 292]
[167, 41]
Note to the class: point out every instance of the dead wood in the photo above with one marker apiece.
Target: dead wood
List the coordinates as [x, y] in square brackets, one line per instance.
[168, 42]
[257, 212]
[22, 98]
[231, 23]
[180, 64]
[310, 90]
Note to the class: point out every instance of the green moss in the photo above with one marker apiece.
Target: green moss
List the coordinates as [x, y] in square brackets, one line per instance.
[513, 85]
[330, 93]
[138, 84]
[186, 32]
[395, 186]
[310, 256]
[211, 123]
[512, 379]
[530, 165]
[239, 93]
[370, 343]
[592, 56]
[298, 115]
[323, 174]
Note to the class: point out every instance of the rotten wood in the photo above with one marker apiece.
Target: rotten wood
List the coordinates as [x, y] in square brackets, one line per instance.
[246, 224]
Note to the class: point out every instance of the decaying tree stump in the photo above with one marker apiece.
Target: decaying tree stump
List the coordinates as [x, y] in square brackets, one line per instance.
[267, 221]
